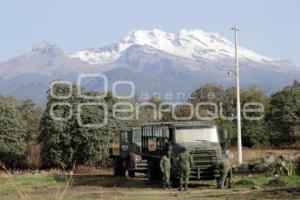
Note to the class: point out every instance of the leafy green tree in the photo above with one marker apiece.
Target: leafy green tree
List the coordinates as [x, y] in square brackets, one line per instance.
[31, 114]
[254, 129]
[254, 132]
[65, 142]
[209, 92]
[12, 133]
[284, 114]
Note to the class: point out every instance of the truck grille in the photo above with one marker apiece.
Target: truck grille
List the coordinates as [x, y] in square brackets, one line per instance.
[138, 165]
[204, 164]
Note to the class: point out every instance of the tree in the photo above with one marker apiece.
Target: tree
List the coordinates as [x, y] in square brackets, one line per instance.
[254, 132]
[65, 142]
[31, 114]
[12, 133]
[209, 92]
[206, 94]
[284, 114]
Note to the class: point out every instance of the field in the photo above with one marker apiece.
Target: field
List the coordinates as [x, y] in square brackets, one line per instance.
[91, 184]
[105, 186]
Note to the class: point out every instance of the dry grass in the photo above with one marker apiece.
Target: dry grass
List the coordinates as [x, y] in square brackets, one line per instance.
[95, 184]
[255, 155]
[106, 187]
[22, 195]
[8, 176]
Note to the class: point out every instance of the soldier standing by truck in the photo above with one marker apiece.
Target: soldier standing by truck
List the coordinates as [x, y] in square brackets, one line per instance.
[165, 167]
[185, 163]
[225, 171]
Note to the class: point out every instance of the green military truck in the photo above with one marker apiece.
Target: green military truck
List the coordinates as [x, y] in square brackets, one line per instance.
[126, 153]
[201, 140]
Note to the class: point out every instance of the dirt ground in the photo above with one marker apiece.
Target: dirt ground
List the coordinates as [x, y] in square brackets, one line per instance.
[92, 184]
[107, 187]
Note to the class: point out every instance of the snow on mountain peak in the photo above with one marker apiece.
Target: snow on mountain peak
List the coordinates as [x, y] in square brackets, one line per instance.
[46, 49]
[193, 44]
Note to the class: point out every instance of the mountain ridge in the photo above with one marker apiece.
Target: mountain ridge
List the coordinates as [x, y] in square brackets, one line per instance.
[155, 61]
[194, 44]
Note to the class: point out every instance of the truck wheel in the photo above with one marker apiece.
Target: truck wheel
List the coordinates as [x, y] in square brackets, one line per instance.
[118, 168]
[122, 168]
[150, 171]
[154, 172]
[123, 172]
[131, 174]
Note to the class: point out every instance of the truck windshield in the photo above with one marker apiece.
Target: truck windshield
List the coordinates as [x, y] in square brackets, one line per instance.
[195, 134]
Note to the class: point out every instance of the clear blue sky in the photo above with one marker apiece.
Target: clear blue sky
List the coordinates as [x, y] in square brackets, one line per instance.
[270, 27]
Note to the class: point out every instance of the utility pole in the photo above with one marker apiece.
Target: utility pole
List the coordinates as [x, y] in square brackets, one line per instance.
[238, 101]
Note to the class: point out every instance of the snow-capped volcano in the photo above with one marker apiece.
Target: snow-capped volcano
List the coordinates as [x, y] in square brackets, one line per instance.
[192, 44]
[155, 61]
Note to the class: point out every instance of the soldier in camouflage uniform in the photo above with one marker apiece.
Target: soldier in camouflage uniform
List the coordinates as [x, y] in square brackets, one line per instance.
[185, 163]
[284, 166]
[225, 171]
[165, 167]
[290, 167]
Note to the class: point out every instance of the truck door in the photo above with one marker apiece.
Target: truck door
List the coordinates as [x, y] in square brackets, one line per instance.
[124, 144]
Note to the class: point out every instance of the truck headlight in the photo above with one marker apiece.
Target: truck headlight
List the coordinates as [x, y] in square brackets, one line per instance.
[137, 158]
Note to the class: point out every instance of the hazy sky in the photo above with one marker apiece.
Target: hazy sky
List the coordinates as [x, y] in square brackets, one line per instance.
[269, 27]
